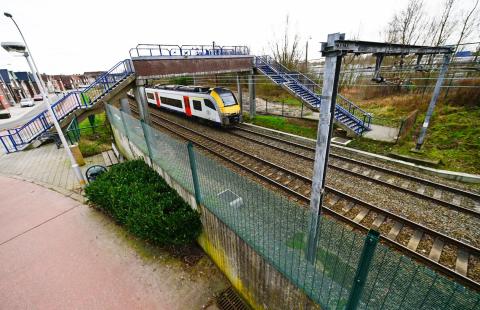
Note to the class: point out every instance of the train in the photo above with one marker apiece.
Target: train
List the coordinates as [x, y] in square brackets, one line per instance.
[213, 104]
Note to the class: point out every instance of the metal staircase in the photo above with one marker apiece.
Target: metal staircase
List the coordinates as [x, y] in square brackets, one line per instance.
[347, 114]
[17, 139]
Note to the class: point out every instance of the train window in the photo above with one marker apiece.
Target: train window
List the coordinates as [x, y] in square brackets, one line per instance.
[227, 97]
[173, 102]
[209, 104]
[197, 105]
[150, 96]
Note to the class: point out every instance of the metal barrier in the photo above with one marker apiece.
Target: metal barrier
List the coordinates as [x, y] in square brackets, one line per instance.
[346, 112]
[351, 270]
[165, 50]
[355, 110]
[16, 139]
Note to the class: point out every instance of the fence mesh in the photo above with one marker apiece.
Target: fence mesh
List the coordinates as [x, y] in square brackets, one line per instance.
[277, 228]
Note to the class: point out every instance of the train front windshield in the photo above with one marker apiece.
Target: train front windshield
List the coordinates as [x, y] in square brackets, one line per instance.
[227, 97]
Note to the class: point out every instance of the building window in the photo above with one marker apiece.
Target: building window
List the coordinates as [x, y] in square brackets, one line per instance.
[197, 105]
[209, 104]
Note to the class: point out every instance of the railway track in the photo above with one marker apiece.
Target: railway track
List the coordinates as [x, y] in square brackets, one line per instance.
[451, 197]
[351, 210]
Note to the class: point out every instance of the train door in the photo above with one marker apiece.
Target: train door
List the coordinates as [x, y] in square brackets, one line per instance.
[198, 110]
[211, 111]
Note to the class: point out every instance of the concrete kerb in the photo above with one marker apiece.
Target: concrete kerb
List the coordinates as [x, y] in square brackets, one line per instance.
[451, 175]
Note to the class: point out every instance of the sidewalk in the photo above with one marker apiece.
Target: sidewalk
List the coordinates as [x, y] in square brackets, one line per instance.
[56, 253]
[47, 166]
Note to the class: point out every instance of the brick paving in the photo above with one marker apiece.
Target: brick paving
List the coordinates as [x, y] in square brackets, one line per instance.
[46, 166]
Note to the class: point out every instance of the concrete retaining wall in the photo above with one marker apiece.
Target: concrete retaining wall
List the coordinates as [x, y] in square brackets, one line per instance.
[258, 282]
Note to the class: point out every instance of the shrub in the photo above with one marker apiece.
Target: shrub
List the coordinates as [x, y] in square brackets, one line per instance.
[136, 197]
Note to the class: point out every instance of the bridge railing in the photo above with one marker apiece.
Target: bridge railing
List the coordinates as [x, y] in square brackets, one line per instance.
[165, 50]
[15, 139]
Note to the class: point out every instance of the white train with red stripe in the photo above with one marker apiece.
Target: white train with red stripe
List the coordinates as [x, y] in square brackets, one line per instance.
[216, 104]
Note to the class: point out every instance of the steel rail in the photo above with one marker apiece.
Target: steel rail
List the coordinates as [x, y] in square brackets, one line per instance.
[446, 270]
[382, 169]
[366, 177]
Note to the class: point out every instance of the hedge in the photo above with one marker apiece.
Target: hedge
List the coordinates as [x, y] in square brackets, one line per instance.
[136, 197]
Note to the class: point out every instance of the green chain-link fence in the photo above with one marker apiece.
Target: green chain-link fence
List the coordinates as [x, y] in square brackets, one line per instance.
[350, 270]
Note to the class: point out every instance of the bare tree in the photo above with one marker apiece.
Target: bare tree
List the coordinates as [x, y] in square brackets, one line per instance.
[469, 22]
[286, 50]
[445, 26]
[406, 25]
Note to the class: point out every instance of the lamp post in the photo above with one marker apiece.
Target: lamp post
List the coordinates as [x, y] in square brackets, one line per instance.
[28, 49]
[306, 55]
[21, 48]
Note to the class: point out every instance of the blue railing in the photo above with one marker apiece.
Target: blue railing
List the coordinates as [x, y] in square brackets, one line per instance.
[355, 110]
[165, 50]
[344, 107]
[16, 139]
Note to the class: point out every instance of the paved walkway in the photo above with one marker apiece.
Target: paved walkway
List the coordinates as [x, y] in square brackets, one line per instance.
[57, 253]
[47, 166]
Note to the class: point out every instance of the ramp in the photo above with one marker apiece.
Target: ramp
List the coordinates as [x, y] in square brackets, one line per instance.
[110, 82]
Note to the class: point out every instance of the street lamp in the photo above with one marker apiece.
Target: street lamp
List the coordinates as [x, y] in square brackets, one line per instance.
[17, 47]
[26, 45]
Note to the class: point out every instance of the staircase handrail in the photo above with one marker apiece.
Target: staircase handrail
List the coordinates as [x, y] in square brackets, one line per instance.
[39, 123]
[283, 71]
[127, 71]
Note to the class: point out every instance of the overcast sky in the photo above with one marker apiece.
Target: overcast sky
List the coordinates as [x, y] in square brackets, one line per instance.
[87, 35]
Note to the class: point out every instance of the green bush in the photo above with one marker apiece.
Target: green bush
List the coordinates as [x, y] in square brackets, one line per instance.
[139, 199]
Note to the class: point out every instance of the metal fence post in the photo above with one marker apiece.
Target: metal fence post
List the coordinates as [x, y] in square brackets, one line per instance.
[193, 168]
[362, 269]
[146, 134]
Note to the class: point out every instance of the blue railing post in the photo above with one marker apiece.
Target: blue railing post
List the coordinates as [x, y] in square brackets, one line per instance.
[4, 145]
[14, 144]
[362, 269]
[193, 168]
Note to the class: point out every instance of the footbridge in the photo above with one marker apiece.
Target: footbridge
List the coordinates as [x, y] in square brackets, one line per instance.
[155, 61]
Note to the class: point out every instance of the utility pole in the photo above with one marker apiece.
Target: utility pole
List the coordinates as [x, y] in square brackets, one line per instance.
[433, 101]
[333, 60]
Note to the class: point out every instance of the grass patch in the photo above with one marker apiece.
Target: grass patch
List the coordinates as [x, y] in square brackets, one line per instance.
[453, 137]
[299, 127]
[274, 93]
[137, 198]
[95, 140]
